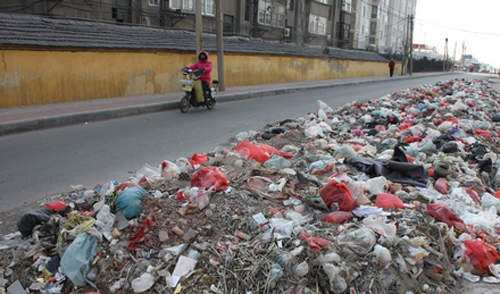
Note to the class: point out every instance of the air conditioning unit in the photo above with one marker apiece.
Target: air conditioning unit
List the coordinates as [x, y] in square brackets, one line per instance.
[286, 32]
[328, 37]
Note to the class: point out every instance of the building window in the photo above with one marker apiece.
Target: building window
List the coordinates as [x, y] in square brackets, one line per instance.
[346, 6]
[289, 4]
[374, 11]
[317, 24]
[322, 1]
[207, 6]
[363, 30]
[247, 10]
[364, 11]
[271, 14]
[153, 2]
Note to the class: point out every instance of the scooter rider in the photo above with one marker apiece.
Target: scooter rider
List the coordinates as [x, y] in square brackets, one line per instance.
[206, 67]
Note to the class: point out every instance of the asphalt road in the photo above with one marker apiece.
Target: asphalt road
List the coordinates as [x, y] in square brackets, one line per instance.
[43, 163]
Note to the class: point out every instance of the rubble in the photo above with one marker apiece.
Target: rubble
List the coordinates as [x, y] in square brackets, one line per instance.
[393, 195]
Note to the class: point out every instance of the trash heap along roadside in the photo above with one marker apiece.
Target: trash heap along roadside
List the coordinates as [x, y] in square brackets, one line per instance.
[394, 195]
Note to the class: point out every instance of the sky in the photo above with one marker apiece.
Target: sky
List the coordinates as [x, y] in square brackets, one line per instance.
[475, 22]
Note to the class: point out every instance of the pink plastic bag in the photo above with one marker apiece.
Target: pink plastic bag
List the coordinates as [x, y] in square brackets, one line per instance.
[337, 217]
[442, 213]
[387, 201]
[209, 176]
[338, 193]
[481, 254]
[441, 186]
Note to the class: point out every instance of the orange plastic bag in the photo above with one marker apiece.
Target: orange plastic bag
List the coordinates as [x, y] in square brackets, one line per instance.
[481, 254]
[338, 193]
[387, 201]
[198, 159]
[337, 217]
[209, 176]
[442, 213]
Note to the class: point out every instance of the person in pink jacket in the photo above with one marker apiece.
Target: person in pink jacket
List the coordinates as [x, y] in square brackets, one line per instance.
[206, 66]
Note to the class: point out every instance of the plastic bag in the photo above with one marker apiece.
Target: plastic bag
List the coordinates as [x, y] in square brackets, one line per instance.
[75, 262]
[337, 282]
[376, 185]
[197, 159]
[334, 192]
[129, 202]
[105, 220]
[278, 161]
[360, 241]
[489, 200]
[442, 213]
[337, 217]
[142, 283]
[316, 243]
[56, 205]
[260, 153]
[301, 269]
[480, 254]
[31, 219]
[169, 170]
[345, 150]
[382, 255]
[387, 201]
[387, 231]
[441, 186]
[209, 176]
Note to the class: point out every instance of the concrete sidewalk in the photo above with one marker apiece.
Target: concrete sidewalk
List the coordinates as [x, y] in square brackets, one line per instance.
[38, 117]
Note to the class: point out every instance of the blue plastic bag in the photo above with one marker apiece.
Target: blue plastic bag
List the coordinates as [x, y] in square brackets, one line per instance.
[75, 262]
[129, 202]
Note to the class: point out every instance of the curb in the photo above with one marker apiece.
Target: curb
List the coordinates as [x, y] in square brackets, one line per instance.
[37, 124]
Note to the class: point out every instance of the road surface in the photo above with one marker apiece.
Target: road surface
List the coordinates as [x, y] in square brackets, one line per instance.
[43, 163]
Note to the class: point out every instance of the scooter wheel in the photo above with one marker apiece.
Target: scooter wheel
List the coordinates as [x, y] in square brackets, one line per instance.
[185, 104]
[211, 103]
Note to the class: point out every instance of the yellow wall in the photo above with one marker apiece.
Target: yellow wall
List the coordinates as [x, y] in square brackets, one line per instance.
[42, 77]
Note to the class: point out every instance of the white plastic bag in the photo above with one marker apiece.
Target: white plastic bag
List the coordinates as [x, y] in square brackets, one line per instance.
[382, 255]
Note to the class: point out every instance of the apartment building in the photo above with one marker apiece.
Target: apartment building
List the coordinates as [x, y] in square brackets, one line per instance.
[381, 25]
[318, 22]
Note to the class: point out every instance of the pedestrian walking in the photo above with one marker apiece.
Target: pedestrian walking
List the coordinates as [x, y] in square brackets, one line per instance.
[391, 67]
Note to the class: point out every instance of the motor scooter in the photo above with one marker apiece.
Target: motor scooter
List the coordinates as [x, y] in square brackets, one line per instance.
[193, 91]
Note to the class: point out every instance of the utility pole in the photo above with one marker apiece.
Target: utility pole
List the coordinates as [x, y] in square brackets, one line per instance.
[411, 44]
[445, 61]
[454, 57]
[220, 45]
[199, 28]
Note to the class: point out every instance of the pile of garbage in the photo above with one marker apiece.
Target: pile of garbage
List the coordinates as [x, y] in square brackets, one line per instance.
[394, 195]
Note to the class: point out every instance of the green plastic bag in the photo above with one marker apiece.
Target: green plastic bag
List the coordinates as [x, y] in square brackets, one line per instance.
[75, 262]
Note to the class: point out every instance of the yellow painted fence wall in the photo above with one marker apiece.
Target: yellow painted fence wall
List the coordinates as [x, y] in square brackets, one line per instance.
[43, 77]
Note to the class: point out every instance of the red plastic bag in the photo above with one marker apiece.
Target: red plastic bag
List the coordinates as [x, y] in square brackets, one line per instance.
[316, 243]
[442, 213]
[337, 217]
[252, 151]
[483, 134]
[481, 254]
[497, 194]
[56, 205]
[261, 152]
[198, 159]
[441, 186]
[209, 176]
[339, 193]
[387, 201]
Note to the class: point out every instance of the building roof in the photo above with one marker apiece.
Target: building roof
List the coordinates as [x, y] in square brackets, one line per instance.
[18, 30]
